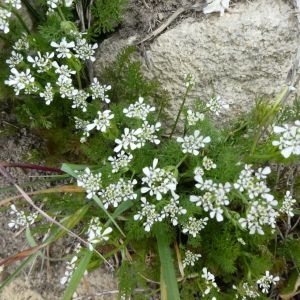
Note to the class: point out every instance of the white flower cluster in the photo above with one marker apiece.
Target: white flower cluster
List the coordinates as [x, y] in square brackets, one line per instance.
[121, 161]
[245, 291]
[193, 143]
[53, 4]
[71, 266]
[173, 209]
[96, 234]
[102, 122]
[42, 63]
[92, 183]
[287, 204]
[214, 198]
[261, 211]
[148, 211]
[208, 163]
[139, 110]
[20, 219]
[21, 81]
[98, 91]
[136, 138]
[159, 181]
[5, 13]
[289, 139]
[209, 282]
[216, 105]
[115, 193]
[194, 117]
[190, 258]
[266, 281]
[194, 226]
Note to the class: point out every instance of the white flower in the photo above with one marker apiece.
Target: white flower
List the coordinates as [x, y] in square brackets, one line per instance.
[121, 161]
[194, 117]
[147, 134]
[98, 90]
[209, 281]
[172, 210]
[190, 258]
[289, 140]
[194, 226]
[128, 140]
[90, 182]
[79, 98]
[216, 6]
[118, 192]
[48, 93]
[20, 218]
[20, 80]
[198, 171]
[17, 4]
[287, 205]
[14, 59]
[159, 181]
[21, 43]
[138, 110]
[4, 16]
[266, 281]
[63, 70]
[193, 143]
[208, 164]
[84, 50]
[96, 234]
[102, 122]
[216, 105]
[63, 48]
[148, 212]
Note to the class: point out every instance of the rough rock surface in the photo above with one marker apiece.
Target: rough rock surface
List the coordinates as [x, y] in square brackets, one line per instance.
[245, 54]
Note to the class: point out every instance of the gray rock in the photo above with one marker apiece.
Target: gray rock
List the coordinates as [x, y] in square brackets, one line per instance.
[246, 53]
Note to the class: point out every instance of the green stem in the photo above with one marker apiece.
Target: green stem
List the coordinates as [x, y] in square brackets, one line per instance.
[33, 12]
[21, 20]
[267, 120]
[61, 14]
[180, 109]
[78, 80]
[181, 161]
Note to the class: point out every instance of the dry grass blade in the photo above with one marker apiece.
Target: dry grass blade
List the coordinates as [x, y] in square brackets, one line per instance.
[44, 214]
[59, 189]
[21, 255]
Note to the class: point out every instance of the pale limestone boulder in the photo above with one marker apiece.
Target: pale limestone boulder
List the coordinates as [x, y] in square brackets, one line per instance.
[246, 53]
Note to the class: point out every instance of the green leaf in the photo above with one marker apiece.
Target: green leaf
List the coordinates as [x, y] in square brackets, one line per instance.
[77, 275]
[30, 239]
[71, 168]
[169, 287]
[69, 222]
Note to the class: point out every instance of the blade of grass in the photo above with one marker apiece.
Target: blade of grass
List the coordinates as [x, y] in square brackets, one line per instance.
[59, 189]
[169, 287]
[77, 275]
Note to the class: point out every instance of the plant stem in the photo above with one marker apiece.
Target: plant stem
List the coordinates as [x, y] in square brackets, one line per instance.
[267, 120]
[14, 11]
[181, 161]
[62, 16]
[188, 88]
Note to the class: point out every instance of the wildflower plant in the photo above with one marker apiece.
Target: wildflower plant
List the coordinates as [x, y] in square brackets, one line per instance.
[210, 210]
